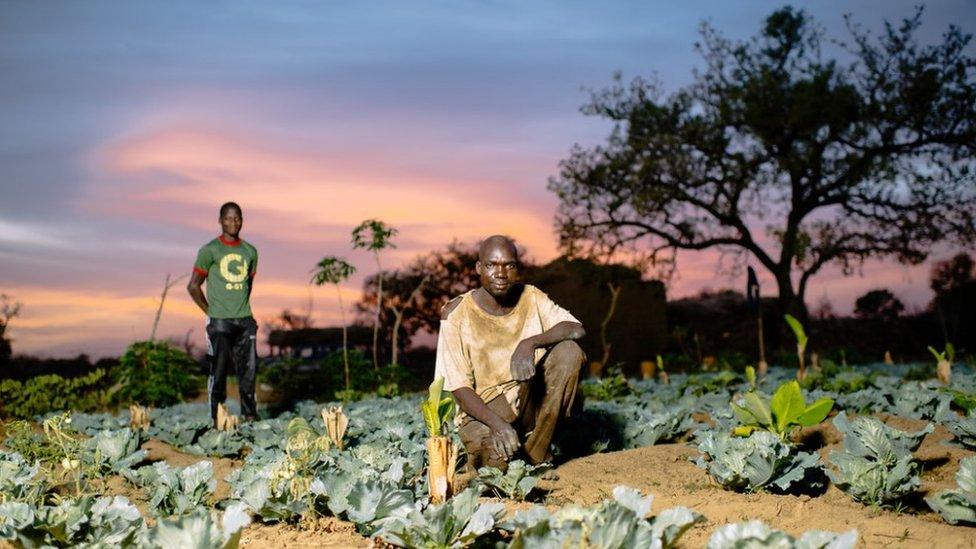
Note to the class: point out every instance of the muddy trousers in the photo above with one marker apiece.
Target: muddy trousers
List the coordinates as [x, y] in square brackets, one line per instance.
[232, 343]
[542, 401]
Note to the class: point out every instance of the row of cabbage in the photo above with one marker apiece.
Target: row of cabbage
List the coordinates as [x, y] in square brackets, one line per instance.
[390, 515]
[293, 470]
[748, 447]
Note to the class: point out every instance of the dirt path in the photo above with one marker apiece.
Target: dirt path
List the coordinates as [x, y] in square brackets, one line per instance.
[326, 532]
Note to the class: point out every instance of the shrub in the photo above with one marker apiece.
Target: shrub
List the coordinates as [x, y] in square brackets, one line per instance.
[295, 381]
[42, 394]
[156, 373]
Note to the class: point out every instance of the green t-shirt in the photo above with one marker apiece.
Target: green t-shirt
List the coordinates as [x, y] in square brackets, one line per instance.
[229, 268]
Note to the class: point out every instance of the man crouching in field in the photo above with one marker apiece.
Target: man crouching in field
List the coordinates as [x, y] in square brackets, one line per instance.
[508, 354]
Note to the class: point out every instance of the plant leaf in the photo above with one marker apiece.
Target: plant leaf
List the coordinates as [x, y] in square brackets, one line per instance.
[816, 412]
[787, 405]
[755, 404]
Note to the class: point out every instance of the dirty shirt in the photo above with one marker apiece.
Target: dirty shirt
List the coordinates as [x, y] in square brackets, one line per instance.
[474, 348]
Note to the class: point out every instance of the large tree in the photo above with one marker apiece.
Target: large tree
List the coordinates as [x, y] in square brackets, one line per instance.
[778, 153]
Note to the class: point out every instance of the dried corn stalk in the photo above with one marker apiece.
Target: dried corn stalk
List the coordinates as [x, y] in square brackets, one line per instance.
[226, 421]
[944, 371]
[442, 462]
[336, 422]
[139, 417]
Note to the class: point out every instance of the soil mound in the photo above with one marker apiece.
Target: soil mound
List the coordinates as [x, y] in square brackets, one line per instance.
[666, 471]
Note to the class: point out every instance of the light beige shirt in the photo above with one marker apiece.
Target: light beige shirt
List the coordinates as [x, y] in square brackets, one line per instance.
[474, 348]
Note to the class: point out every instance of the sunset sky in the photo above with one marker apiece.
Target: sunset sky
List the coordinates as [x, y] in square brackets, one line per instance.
[124, 125]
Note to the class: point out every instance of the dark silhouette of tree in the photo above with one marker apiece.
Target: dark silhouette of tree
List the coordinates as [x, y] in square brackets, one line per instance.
[8, 310]
[879, 304]
[954, 283]
[952, 274]
[450, 272]
[777, 153]
[289, 320]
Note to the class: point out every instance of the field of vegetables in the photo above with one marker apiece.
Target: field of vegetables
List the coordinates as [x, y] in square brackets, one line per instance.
[861, 456]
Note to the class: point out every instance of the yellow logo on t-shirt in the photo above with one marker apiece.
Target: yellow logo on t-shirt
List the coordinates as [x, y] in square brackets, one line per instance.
[227, 268]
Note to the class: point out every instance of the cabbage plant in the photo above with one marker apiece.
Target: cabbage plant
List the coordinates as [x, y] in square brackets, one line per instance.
[754, 534]
[105, 521]
[112, 451]
[646, 428]
[216, 443]
[270, 498]
[174, 490]
[757, 462]
[958, 506]
[963, 429]
[516, 482]
[19, 480]
[876, 465]
[623, 522]
[786, 411]
[200, 530]
[458, 522]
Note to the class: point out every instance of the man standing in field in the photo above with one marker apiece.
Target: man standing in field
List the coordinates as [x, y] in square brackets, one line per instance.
[228, 264]
[508, 354]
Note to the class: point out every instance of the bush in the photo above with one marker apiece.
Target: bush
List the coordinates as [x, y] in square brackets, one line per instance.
[156, 373]
[43, 394]
[324, 381]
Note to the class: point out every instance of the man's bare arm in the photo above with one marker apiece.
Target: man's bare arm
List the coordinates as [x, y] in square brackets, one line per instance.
[503, 438]
[563, 331]
[523, 359]
[196, 292]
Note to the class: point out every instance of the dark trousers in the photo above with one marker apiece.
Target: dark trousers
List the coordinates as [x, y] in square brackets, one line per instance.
[543, 400]
[233, 343]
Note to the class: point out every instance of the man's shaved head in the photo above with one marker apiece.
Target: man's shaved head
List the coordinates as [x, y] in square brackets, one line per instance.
[494, 242]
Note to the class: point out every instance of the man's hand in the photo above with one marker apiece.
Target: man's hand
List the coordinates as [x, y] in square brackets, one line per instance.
[523, 361]
[504, 441]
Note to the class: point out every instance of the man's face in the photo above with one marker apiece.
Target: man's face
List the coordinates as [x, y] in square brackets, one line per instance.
[498, 269]
[231, 222]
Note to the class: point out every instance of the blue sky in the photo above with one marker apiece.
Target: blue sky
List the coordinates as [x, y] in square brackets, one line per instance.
[123, 125]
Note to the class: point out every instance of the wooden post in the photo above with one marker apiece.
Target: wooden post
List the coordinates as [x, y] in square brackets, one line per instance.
[763, 365]
[614, 296]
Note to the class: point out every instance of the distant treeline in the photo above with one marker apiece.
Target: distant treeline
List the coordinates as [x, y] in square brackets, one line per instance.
[21, 367]
[720, 325]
